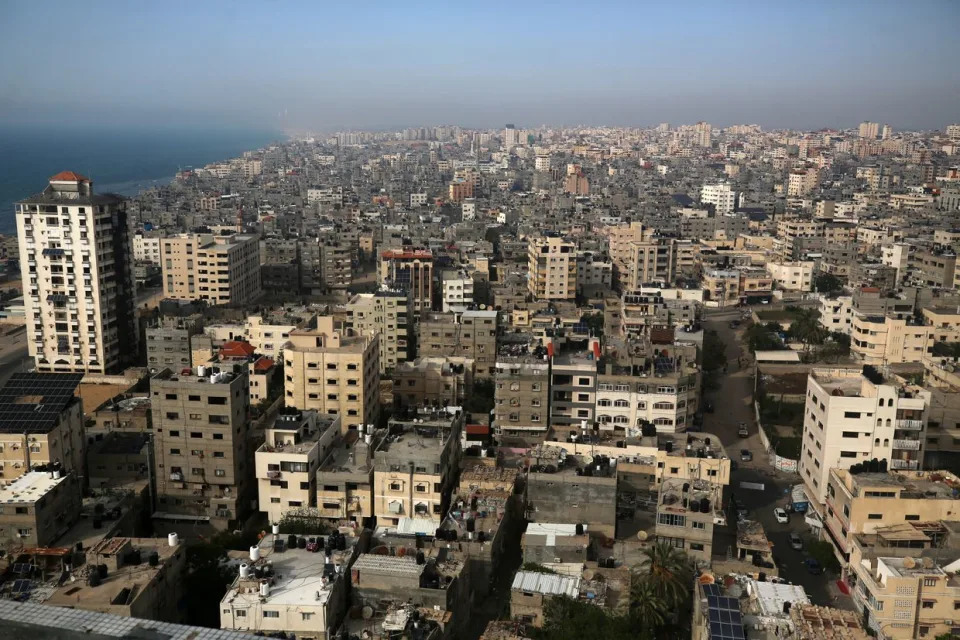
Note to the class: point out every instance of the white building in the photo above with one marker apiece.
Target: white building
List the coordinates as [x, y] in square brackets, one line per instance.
[79, 292]
[836, 314]
[542, 163]
[457, 290]
[897, 255]
[146, 248]
[469, 209]
[848, 420]
[721, 196]
[418, 199]
[792, 276]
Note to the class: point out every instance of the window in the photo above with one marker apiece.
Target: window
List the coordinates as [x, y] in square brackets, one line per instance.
[851, 414]
[306, 616]
[396, 486]
[173, 415]
[672, 519]
[875, 516]
[196, 434]
[271, 614]
[174, 452]
[241, 613]
[929, 582]
[851, 434]
[174, 434]
[928, 604]
[698, 525]
[696, 546]
[218, 400]
[848, 454]
[220, 473]
[914, 517]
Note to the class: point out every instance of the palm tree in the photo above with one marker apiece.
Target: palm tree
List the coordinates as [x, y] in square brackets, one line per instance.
[670, 573]
[647, 606]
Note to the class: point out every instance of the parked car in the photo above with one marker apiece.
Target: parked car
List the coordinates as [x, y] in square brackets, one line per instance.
[781, 515]
[745, 455]
[742, 430]
[814, 567]
[796, 542]
[708, 406]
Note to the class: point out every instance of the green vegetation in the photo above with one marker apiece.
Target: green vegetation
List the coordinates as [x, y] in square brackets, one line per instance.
[539, 568]
[594, 322]
[822, 552]
[764, 337]
[714, 359]
[304, 525]
[208, 576]
[781, 413]
[481, 399]
[946, 349]
[660, 604]
[806, 329]
[827, 283]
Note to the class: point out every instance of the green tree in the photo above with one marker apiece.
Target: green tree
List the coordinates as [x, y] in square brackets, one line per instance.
[806, 328]
[670, 574]
[646, 604]
[827, 283]
[714, 351]
[481, 400]
[763, 337]
[594, 322]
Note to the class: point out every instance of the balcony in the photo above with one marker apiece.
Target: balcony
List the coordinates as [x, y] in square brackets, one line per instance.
[910, 425]
[273, 475]
[907, 445]
[913, 465]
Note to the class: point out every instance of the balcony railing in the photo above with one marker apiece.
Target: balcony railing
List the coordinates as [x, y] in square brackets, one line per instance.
[907, 445]
[905, 464]
[912, 425]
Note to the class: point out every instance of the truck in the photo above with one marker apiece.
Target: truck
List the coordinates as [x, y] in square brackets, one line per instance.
[798, 499]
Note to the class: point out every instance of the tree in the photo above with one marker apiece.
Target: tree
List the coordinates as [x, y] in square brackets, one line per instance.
[714, 351]
[806, 328]
[827, 283]
[822, 552]
[764, 337]
[594, 322]
[481, 400]
[645, 603]
[670, 574]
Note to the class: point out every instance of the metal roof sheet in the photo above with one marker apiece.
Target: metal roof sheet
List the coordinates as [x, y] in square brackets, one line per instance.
[546, 584]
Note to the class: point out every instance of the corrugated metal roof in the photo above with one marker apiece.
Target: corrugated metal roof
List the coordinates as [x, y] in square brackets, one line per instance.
[546, 584]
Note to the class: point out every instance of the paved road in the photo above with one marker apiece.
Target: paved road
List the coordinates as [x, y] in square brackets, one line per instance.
[733, 404]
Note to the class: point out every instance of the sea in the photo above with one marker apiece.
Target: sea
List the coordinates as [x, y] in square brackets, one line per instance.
[118, 160]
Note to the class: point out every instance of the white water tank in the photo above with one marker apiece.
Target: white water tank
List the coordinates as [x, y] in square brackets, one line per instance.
[264, 589]
[276, 529]
[244, 571]
[254, 553]
[201, 371]
[368, 438]
[173, 539]
[56, 474]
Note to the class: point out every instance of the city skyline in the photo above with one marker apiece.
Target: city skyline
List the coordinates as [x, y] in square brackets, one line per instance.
[296, 66]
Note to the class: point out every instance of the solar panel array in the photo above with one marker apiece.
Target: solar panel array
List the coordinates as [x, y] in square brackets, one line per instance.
[726, 623]
[20, 412]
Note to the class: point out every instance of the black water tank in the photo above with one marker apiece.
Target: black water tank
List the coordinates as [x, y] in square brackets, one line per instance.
[291, 541]
[786, 607]
[762, 577]
[94, 579]
[102, 570]
[481, 536]
[420, 557]
[154, 559]
[668, 447]
[579, 529]
[341, 543]
[471, 525]
[705, 505]
[301, 543]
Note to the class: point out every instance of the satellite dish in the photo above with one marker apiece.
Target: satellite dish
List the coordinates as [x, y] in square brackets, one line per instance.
[707, 578]
[641, 536]
[909, 563]
[367, 612]
[588, 574]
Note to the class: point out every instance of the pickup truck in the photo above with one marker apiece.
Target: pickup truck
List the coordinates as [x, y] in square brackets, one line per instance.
[742, 430]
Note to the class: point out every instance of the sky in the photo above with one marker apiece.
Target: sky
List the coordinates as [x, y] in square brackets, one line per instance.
[325, 66]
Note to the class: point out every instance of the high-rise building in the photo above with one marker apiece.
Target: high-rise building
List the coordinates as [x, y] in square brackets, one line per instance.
[333, 373]
[389, 315]
[721, 196]
[218, 269]
[511, 137]
[409, 270]
[79, 292]
[869, 130]
[552, 268]
[887, 132]
[702, 133]
[470, 334]
[200, 423]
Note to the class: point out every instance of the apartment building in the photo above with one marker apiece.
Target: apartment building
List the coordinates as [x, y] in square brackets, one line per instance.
[863, 502]
[460, 190]
[630, 397]
[223, 270]
[78, 285]
[801, 182]
[686, 514]
[345, 477]
[552, 268]
[722, 286]
[522, 396]
[201, 458]
[836, 314]
[415, 470]
[389, 314]
[471, 334]
[655, 260]
[287, 462]
[333, 373]
[888, 339]
[935, 268]
[146, 248]
[594, 273]
[793, 276]
[168, 344]
[721, 196]
[41, 423]
[573, 389]
[456, 290]
[37, 508]
[409, 270]
[438, 381]
[850, 419]
[335, 257]
[619, 239]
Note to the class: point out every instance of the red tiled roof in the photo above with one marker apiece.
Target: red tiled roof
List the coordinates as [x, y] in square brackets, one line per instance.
[263, 364]
[477, 429]
[236, 349]
[69, 176]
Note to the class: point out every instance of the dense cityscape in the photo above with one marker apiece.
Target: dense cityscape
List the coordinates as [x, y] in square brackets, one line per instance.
[591, 382]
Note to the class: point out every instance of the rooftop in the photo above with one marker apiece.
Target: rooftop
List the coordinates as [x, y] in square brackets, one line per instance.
[915, 485]
[30, 487]
[550, 531]
[546, 584]
[33, 402]
[388, 565]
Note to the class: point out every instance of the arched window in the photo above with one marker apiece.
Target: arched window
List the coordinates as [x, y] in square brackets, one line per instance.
[621, 403]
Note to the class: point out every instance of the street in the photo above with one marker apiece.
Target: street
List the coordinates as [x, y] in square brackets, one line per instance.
[733, 405]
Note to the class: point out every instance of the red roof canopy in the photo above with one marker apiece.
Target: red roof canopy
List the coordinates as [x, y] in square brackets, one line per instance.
[237, 349]
[69, 176]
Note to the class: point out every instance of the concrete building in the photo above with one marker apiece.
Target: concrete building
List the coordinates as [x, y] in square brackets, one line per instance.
[522, 396]
[224, 270]
[415, 470]
[37, 508]
[686, 514]
[333, 373]
[389, 314]
[79, 291]
[531, 591]
[552, 268]
[41, 423]
[721, 196]
[409, 270]
[146, 248]
[594, 273]
[345, 477]
[201, 457]
[471, 334]
[168, 345]
[562, 492]
[289, 589]
[456, 290]
[144, 579]
[573, 388]
[629, 398]
[850, 419]
[436, 381]
[869, 130]
[836, 314]
[793, 276]
[287, 461]
[887, 339]
[460, 190]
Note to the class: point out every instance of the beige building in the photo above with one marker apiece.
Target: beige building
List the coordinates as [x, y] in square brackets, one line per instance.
[522, 397]
[552, 268]
[409, 270]
[471, 335]
[345, 477]
[219, 269]
[792, 276]
[37, 508]
[438, 381]
[41, 422]
[628, 398]
[287, 461]
[850, 420]
[686, 513]
[78, 286]
[201, 458]
[416, 468]
[144, 580]
[881, 340]
[333, 373]
[388, 314]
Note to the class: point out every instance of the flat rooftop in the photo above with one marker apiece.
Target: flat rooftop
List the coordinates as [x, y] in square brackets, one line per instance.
[33, 402]
[29, 487]
[351, 455]
[546, 584]
[388, 565]
[552, 530]
[933, 485]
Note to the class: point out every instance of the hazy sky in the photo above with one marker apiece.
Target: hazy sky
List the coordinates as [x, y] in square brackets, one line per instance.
[358, 64]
